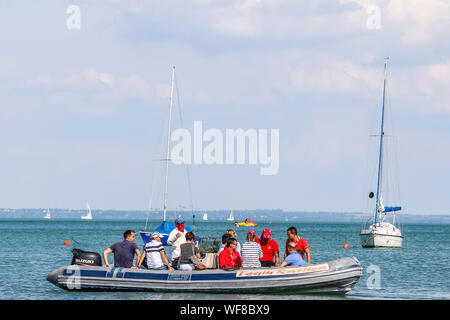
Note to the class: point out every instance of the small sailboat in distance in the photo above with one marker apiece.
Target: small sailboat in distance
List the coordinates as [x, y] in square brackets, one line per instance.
[231, 217]
[48, 215]
[382, 233]
[88, 215]
[205, 217]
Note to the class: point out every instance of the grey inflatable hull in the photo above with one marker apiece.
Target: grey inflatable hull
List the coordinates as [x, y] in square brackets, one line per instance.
[337, 276]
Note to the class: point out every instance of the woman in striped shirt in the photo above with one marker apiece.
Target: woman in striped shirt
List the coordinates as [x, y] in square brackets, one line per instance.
[251, 251]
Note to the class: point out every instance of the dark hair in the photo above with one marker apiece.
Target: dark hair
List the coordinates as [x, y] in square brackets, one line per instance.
[225, 237]
[128, 233]
[230, 241]
[250, 237]
[189, 236]
[292, 230]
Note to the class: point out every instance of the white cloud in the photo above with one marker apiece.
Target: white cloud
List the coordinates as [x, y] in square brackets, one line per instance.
[276, 20]
[163, 90]
[416, 22]
[328, 73]
[423, 88]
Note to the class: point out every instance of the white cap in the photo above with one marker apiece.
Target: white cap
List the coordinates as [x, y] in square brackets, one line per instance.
[156, 235]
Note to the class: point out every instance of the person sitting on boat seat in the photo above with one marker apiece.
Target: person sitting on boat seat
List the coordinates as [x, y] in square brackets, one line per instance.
[269, 248]
[176, 239]
[155, 255]
[251, 252]
[190, 255]
[124, 251]
[233, 234]
[225, 238]
[229, 257]
[293, 258]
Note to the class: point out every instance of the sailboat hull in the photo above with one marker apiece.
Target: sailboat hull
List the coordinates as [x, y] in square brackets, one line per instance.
[381, 235]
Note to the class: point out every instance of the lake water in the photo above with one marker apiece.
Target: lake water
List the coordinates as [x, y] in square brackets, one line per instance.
[419, 270]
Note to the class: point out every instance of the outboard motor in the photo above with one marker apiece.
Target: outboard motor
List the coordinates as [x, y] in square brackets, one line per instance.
[85, 258]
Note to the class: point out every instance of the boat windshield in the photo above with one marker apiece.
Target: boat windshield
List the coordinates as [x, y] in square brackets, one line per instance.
[208, 245]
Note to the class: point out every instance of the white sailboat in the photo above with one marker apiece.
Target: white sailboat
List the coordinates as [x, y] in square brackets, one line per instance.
[205, 217]
[231, 217]
[88, 215]
[48, 215]
[382, 233]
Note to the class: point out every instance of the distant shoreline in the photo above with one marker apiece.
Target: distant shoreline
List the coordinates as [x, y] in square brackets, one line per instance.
[218, 215]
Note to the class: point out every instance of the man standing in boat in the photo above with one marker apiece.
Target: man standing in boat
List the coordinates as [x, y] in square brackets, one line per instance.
[269, 248]
[176, 238]
[302, 244]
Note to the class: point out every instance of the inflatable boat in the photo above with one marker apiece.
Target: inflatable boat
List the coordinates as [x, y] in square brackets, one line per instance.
[246, 223]
[337, 276]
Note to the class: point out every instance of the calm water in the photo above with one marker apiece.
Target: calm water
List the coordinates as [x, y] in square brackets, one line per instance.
[32, 248]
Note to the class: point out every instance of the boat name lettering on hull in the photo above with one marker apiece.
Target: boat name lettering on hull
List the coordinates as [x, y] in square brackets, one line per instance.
[275, 272]
[179, 277]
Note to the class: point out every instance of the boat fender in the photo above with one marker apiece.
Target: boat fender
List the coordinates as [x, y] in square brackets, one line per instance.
[86, 258]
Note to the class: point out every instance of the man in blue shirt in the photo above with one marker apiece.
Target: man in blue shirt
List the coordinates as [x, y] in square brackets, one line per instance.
[293, 258]
[123, 251]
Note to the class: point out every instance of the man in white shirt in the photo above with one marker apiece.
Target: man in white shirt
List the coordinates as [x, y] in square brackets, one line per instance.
[155, 254]
[176, 239]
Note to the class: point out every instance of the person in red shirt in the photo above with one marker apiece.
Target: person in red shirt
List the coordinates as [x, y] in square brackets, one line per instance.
[302, 244]
[269, 248]
[229, 257]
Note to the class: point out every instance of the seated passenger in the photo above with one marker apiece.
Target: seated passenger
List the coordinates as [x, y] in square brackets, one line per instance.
[124, 252]
[251, 251]
[225, 238]
[229, 257]
[233, 234]
[190, 255]
[293, 258]
[155, 254]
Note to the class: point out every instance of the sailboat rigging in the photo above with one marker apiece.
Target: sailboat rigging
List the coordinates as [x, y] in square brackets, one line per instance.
[166, 227]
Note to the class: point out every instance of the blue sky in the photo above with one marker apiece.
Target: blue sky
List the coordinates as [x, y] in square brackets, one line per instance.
[82, 112]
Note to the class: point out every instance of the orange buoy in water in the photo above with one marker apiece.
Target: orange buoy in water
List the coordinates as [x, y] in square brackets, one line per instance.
[345, 245]
[67, 243]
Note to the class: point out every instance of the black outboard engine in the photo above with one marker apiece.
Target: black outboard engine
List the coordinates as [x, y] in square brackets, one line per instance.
[85, 258]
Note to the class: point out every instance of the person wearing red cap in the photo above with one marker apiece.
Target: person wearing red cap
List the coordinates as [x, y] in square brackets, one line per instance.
[302, 244]
[269, 248]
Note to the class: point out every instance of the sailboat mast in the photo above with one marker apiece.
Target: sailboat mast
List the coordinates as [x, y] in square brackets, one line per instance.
[168, 144]
[380, 160]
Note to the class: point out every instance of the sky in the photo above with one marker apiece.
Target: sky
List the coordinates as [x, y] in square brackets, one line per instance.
[85, 92]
